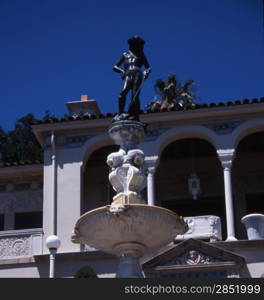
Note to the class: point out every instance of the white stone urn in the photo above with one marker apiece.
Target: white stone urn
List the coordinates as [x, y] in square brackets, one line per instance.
[254, 224]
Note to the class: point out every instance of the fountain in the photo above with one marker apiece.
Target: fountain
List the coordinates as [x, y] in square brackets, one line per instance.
[128, 227]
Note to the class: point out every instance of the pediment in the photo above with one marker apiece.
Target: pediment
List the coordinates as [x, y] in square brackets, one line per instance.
[191, 255]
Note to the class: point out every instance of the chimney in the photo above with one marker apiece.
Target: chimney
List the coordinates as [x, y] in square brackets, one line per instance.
[83, 107]
[84, 98]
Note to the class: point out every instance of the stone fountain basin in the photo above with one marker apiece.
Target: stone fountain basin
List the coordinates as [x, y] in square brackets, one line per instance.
[151, 227]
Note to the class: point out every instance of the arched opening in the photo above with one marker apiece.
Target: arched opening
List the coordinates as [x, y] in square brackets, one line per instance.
[248, 178]
[97, 190]
[179, 160]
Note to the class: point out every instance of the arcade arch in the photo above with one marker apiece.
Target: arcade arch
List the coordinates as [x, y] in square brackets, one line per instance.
[178, 160]
[181, 132]
[245, 129]
[248, 178]
[96, 188]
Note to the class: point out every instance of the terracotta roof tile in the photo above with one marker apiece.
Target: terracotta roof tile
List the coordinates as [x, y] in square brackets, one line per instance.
[177, 108]
[19, 163]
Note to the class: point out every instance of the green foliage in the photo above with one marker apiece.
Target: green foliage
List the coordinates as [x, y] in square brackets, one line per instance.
[172, 94]
[47, 116]
[20, 143]
[85, 272]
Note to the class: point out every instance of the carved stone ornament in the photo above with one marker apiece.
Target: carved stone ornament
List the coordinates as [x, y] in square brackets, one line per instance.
[67, 141]
[226, 157]
[192, 257]
[14, 247]
[127, 134]
[126, 175]
[202, 227]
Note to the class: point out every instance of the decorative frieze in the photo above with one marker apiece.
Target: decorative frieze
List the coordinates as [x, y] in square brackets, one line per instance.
[223, 127]
[14, 247]
[19, 187]
[20, 243]
[153, 134]
[77, 141]
[68, 141]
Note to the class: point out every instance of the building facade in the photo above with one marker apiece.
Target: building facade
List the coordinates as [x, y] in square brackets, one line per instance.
[204, 163]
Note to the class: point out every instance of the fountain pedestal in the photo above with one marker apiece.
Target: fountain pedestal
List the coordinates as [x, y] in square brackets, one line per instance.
[128, 227]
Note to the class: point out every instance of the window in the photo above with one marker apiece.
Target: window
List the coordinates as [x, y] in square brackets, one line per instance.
[2, 221]
[27, 220]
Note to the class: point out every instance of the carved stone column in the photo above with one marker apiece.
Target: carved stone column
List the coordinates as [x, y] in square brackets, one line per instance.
[151, 165]
[226, 157]
[127, 173]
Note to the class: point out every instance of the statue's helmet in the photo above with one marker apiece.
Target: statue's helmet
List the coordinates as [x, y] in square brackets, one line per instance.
[136, 41]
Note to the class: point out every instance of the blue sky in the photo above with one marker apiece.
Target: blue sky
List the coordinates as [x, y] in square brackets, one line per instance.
[53, 51]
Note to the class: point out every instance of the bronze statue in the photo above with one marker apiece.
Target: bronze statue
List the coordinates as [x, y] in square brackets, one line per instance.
[133, 77]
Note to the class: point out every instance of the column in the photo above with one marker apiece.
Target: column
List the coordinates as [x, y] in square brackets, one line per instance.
[54, 184]
[151, 187]
[151, 164]
[226, 157]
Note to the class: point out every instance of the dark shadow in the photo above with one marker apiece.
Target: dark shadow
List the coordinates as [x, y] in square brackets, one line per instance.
[248, 179]
[97, 190]
[178, 161]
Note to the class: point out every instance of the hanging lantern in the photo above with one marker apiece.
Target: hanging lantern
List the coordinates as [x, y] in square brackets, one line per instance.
[194, 185]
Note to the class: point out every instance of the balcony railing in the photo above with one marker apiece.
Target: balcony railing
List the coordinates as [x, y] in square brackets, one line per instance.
[20, 243]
